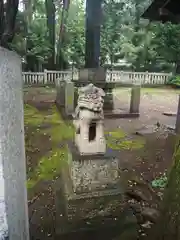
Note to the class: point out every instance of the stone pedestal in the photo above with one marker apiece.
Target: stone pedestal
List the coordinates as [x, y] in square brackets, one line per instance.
[89, 191]
[60, 95]
[65, 97]
[69, 98]
[135, 99]
[13, 193]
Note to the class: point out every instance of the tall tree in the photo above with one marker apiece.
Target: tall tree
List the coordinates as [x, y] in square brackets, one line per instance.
[167, 39]
[8, 12]
[60, 60]
[93, 24]
[50, 11]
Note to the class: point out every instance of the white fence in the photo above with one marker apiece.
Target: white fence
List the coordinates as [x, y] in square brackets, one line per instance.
[49, 77]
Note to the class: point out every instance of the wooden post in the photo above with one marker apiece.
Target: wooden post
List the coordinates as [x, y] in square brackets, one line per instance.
[12, 149]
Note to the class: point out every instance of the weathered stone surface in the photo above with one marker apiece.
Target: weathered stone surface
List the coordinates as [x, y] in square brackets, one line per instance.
[89, 125]
[69, 97]
[89, 188]
[60, 88]
[135, 99]
[12, 150]
[94, 175]
[93, 206]
[87, 210]
[83, 74]
[100, 74]
[146, 130]
[93, 75]
[90, 97]
[150, 214]
[170, 114]
[171, 127]
[3, 221]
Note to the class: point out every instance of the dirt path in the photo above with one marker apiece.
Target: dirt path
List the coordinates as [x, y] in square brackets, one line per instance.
[149, 162]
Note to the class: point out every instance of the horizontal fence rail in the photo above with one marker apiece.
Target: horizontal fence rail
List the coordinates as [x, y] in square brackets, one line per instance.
[49, 77]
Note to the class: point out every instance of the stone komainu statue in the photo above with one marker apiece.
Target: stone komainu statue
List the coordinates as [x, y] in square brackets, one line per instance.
[89, 120]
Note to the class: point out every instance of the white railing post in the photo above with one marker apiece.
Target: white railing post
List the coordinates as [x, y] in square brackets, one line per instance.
[45, 76]
[13, 192]
[49, 76]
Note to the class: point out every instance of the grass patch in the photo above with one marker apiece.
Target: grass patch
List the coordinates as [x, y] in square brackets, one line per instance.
[49, 165]
[60, 130]
[32, 116]
[116, 140]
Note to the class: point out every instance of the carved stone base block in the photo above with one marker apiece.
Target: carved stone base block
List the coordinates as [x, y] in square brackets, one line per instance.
[108, 100]
[60, 96]
[88, 192]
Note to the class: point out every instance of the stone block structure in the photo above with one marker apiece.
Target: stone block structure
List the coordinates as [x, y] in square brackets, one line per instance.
[65, 97]
[90, 179]
[135, 99]
[67, 94]
[14, 222]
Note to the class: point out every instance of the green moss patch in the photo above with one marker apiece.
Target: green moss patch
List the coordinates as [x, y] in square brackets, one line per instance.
[48, 167]
[118, 140]
[57, 130]
[32, 116]
[60, 130]
[54, 147]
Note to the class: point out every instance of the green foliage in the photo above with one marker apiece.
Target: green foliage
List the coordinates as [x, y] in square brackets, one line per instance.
[39, 46]
[159, 182]
[124, 36]
[174, 81]
[75, 38]
[167, 39]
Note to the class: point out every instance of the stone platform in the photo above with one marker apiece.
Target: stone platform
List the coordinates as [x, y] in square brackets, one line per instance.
[108, 114]
[88, 192]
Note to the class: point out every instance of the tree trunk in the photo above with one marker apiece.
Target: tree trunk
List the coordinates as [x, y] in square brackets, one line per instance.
[93, 24]
[50, 12]
[59, 58]
[28, 11]
[168, 226]
[7, 23]
[178, 68]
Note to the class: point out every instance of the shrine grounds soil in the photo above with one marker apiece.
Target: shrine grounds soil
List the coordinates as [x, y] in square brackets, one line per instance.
[146, 163]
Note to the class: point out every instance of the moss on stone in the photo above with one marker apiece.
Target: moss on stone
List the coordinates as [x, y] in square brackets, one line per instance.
[118, 134]
[116, 140]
